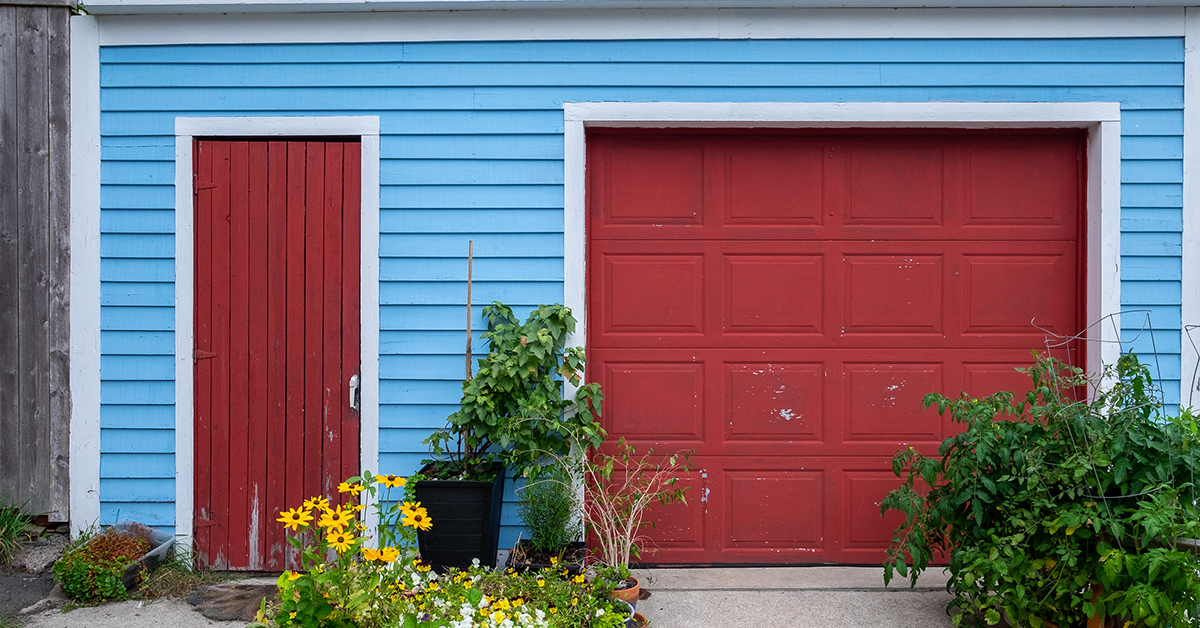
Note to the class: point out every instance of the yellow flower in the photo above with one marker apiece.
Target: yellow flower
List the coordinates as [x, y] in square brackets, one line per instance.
[578, 579]
[497, 617]
[294, 518]
[357, 507]
[389, 554]
[292, 575]
[553, 610]
[391, 481]
[410, 507]
[340, 541]
[541, 581]
[336, 519]
[353, 489]
[316, 503]
[553, 560]
[370, 554]
[418, 519]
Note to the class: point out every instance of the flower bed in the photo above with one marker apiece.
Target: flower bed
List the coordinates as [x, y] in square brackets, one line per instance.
[345, 582]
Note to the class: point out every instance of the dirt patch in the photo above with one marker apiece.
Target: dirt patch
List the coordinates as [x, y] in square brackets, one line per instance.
[28, 579]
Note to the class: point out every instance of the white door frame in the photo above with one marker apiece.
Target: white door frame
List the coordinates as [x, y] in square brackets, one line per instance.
[1101, 119]
[367, 129]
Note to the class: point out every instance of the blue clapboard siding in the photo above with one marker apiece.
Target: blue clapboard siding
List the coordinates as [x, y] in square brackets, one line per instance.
[471, 148]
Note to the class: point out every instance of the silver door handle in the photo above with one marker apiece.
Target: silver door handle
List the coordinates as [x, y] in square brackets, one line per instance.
[354, 389]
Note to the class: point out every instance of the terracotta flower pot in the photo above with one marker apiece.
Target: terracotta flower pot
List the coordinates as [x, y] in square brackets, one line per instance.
[629, 595]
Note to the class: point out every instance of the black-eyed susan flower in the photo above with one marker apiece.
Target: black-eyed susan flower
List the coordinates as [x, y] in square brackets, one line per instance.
[340, 541]
[295, 518]
[353, 489]
[370, 554]
[388, 554]
[336, 519]
[315, 503]
[418, 519]
[391, 481]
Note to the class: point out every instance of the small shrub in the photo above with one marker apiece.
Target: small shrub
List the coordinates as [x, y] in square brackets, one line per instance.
[90, 570]
[549, 507]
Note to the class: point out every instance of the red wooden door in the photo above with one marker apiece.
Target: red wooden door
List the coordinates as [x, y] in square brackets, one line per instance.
[780, 303]
[276, 338]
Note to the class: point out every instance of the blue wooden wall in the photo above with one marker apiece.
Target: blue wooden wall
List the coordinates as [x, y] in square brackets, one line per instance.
[472, 148]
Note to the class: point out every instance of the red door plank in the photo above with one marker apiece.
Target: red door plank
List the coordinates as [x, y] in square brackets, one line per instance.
[275, 415]
[314, 384]
[258, 350]
[221, 346]
[203, 374]
[295, 476]
[239, 350]
[780, 302]
[334, 397]
[351, 312]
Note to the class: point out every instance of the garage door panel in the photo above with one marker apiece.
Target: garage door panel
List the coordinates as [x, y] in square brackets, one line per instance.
[1025, 184]
[774, 183]
[659, 294]
[774, 294]
[1019, 293]
[651, 401]
[774, 509]
[894, 294]
[985, 378]
[895, 183]
[776, 401]
[653, 184]
[883, 401]
[868, 533]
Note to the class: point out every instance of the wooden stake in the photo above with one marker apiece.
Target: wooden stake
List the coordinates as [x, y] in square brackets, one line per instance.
[470, 262]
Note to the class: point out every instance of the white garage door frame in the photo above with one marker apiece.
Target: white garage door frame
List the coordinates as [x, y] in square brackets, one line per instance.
[1101, 119]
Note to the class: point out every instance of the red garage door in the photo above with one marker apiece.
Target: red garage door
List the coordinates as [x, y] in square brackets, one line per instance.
[780, 303]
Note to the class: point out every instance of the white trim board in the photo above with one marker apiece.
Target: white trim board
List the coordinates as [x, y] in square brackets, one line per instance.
[84, 458]
[1104, 172]
[1189, 377]
[606, 24]
[365, 127]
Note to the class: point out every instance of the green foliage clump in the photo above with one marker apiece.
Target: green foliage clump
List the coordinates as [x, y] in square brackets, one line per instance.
[90, 570]
[549, 508]
[1054, 509]
[513, 409]
[13, 520]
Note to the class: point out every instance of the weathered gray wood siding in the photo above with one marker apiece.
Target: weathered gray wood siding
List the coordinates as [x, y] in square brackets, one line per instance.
[35, 401]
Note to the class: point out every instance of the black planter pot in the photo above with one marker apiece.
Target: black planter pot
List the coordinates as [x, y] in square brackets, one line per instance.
[466, 521]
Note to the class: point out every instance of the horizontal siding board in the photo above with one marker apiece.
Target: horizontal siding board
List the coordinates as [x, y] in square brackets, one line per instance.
[395, 194]
[935, 50]
[423, 341]
[139, 318]
[1165, 341]
[130, 172]
[139, 148]
[1152, 171]
[1163, 122]
[407, 391]
[436, 122]
[128, 417]
[1151, 244]
[118, 269]
[133, 441]
[406, 463]
[1151, 269]
[137, 246]
[115, 368]
[141, 293]
[114, 221]
[514, 146]
[428, 416]
[1150, 146]
[516, 245]
[1151, 195]
[137, 393]
[120, 79]
[433, 319]
[141, 490]
[1151, 219]
[402, 439]
[137, 343]
[470, 172]
[1150, 292]
[472, 221]
[444, 293]
[118, 465]
[158, 515]
[484, 269]
[137, 197]
[426, 367]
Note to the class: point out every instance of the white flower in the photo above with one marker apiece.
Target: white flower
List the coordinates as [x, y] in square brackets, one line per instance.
[599, 612]
[474, 562]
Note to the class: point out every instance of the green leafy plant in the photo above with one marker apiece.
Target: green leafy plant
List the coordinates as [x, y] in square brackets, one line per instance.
[1053, 509]
[90, 569]
[549, 509]
[513, 409]
[13, 520]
